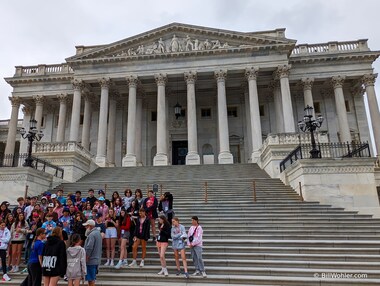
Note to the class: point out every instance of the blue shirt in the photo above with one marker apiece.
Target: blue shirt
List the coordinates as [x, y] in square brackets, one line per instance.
[37, 250]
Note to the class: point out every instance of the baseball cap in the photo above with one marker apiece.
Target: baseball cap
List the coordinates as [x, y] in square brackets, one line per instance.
[35, 215]
[43, 198]
[66, 210]
[98, 215]
[53, 196]
[89, 222]
[101, 199]
[51, 205]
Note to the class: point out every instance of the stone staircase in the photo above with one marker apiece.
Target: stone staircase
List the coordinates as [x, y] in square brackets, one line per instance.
[275, 240]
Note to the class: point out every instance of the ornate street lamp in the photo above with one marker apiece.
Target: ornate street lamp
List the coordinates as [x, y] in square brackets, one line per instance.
[31, 135]
[177, 110]
[310, 124]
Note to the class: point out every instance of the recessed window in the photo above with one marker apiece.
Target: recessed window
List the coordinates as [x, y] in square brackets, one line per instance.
[43, 122]
[206, 112]
[56, 120]
[153, 116]
[317, 107]
[183, 112]
[262, 110]
[81, 119]
[347, 103]
[232, 111]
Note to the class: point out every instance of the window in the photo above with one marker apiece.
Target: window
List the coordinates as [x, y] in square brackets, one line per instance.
[153, 116]
[317, 107]
[43, 122]
[232, 111]
[81, 119]
[262, 110]
[56, 120]
[347, 103]
[206, 112]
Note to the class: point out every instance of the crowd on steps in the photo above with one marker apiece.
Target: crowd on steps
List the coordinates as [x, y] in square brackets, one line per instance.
[66, 236]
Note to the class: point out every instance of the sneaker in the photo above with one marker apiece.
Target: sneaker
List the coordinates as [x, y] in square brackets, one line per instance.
[161, 272]
[166, 272]
[124, 262]
[65, 278]
[154, 239]
[112, 264]
[196, 273]
[16, 269]
[107, 263]
[119, 264]
[133, 264]
[204, 275]
[142, 263]
[6, 277]
[25, 270]
[186, 275]
[179, 272]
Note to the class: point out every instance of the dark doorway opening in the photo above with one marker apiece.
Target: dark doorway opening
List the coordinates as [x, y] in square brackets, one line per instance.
[179, 152]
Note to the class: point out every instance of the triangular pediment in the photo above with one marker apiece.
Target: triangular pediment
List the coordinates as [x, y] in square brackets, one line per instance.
[180, 39]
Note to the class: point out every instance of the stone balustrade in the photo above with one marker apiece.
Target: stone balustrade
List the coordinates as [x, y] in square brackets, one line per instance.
[61, 147]
[294, 138]
[330, 47]
[43, 70]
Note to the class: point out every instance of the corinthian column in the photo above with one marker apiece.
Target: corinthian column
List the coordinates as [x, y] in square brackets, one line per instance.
[307, 84]
[254, 111]
[130, 157]
[161, 158]
[225, 156]
[111, 129]
[86, 121]
[12, 127]
[192, 157]
[344, 130]
[39, 100]
[101, 159]
[369, 82]
[138, 141]
[275, 85]
[75, 113]
[62, 117]
[287, 108]
[27, 111]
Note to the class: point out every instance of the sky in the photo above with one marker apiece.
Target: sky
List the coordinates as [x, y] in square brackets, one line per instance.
[46, 32]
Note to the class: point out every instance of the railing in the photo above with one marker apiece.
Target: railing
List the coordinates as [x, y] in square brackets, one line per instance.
[331, 47]
[327, 150]
[43, 70]
[61, 147]
[18, 160]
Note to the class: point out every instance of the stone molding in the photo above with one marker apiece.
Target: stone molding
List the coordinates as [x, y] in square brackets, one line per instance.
[132, 81]
[190, 77]
[13, 177]
[39, 99]
[307, 83]
[337, 170]
[105, 82]
[337, 81]
[251, 73]
[369, 79]
[161, 79]
[220, 75]
[63, 98]
[283, 71]
[77, 84]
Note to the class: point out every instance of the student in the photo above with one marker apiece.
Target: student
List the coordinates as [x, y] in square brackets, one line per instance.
[110, 237]
[49, 224]
[19, 230]
[166, 206]
[162, 242]
[140, 236]
[178, 234]
[5, 237]
[76, 261]
[195, 243]
[54, 258]
[150, 207]
[125, 227]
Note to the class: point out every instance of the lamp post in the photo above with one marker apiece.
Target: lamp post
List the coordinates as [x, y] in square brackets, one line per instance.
[177, 110]
[31, 135]
[310, 124]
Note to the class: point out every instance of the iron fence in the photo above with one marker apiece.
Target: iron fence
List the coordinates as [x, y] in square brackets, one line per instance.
[18, 160]
[327, 150]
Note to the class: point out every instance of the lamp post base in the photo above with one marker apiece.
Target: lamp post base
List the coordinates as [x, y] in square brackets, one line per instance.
[314, 153]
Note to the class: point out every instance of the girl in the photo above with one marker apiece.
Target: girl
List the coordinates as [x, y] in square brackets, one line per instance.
[115, 196]
[35, 261]
[133, 212]
[88, 211]
[76, 261]
[195, 242]
[150, 206]
[139, 197]
[162, 242]
[128, 198]
[179, 237]
[125, 227]
[54, 258]
[5, 237]
[141, 235]
[19, 230]
[78, 227]
[117, 206]
[111, 236]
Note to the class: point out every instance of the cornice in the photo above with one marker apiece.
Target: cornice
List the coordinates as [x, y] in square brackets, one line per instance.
[32, 79]
[369, 56]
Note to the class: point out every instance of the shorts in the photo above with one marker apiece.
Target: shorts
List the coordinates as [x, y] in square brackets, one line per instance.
[91, 272]
[161, 244]
[18, 241]
[125, 234]
[111, 232]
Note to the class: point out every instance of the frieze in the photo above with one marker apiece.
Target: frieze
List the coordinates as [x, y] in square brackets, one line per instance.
[14, 177]
[338, 170]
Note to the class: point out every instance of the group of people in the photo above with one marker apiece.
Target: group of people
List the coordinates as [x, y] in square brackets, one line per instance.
[63, 236]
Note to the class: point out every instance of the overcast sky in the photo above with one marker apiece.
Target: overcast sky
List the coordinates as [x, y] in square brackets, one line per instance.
[46, 32]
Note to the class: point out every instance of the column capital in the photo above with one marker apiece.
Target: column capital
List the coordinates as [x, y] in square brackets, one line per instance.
[283, 71]
[132, 80]
[161, 79]
[307, 83]
[114, 95]
[63, 98]
[220, 75]
[105, 82]
[26, 110]
[39, 99]
[337, 81]
[15, 101]
[369, 79]
[77, 84]
[88, 96]
[274, 84]
[251, 73]
[357, 91]
[190, 77]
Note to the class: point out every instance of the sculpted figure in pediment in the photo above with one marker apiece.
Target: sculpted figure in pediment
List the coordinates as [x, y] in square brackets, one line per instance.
[207, 45]
[131, 52]
[140, 50]
[196, 44]
[161, 46]
[174, 44]
[189, 44]
[216, 44]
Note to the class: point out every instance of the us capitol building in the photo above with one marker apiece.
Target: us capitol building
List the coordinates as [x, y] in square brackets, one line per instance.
[183, 94]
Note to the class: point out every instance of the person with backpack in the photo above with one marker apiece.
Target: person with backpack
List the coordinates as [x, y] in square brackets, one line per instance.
[76, 261]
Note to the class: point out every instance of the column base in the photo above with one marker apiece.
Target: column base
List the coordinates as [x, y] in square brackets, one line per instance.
[225, 158]
[160, 160]
[101, 161]
[129, 161]
[255, 156]
[193, 159]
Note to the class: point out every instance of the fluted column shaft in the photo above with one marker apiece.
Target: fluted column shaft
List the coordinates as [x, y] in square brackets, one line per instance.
[254, 108]
[283, 74]
[192, 157]
[278, 107]
[369, 83]
[162, 148]
[27, 111]
[225, 156]
[138, 138]
[111, 134]
[12, 127]
[86, 122]
[102, 130]
[75, 112]
[344, 129]
[62, 117]
[307, 84]
[39, 99]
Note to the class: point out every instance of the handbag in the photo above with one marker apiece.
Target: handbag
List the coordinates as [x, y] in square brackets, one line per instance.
[191, 237]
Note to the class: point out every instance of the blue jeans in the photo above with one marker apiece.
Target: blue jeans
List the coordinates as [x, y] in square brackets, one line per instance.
[196, 254]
